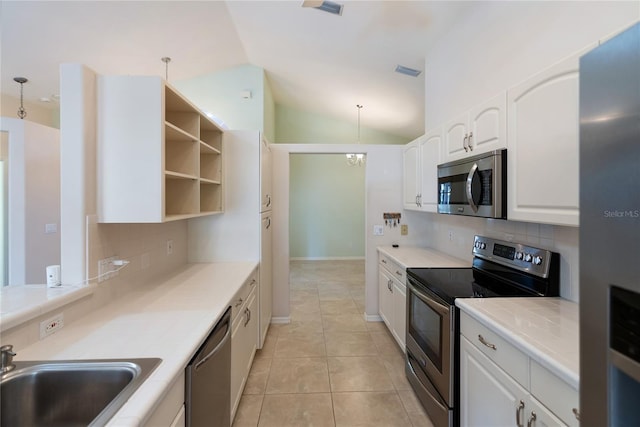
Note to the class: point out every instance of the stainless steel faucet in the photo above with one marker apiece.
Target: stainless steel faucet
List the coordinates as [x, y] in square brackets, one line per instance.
[6, 358]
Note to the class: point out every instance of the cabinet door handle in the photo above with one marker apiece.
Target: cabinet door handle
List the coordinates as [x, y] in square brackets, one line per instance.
[417, 203]
[247, 313]
[519, 411]
[464, 142]
[532, 419]
[488, 344]
[268, 200]
[576, 413]
[268, 223]
[420, 200]
[469, 141]
[389, 283]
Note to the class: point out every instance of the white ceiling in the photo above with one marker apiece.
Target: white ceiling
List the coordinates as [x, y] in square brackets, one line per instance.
[315, 61]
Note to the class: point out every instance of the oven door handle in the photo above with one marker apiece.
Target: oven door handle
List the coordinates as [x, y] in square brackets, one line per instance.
[472, 172]
[430, 301]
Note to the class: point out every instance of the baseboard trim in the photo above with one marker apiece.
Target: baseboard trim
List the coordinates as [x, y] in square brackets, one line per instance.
[281, 320]
[344, 258]
[372, 317]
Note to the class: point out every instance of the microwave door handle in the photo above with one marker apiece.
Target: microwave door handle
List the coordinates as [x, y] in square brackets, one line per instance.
[472, 172]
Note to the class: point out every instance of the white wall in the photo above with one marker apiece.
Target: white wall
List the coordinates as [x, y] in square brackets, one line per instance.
[493, 47]
[501, 43]
[33, 199]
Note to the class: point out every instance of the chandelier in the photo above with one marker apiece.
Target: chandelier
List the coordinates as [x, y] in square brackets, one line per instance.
[356, 159]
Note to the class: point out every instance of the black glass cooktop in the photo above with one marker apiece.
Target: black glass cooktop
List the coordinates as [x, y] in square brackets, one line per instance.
[490, 281]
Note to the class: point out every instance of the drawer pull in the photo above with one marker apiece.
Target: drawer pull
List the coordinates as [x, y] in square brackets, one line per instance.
[398, 273]
[576, 413]
[239, 303]
[384, 261]
[519, 411]
[487, 344]
[253, 282]
[532, 419]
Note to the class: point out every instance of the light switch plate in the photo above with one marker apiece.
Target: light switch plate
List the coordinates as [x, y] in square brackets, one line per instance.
[378, 230]
[404, 229]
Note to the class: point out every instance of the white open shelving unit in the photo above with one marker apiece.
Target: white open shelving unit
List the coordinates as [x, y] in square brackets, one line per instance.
[159, 156]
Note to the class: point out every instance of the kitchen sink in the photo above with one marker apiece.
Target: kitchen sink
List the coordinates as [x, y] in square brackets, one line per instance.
[69, 393]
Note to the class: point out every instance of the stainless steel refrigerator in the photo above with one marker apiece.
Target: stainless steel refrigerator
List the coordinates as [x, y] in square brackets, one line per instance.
[610, 232]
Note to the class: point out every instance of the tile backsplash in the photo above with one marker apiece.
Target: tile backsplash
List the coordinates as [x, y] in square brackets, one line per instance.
[454, 235]
[143, 245]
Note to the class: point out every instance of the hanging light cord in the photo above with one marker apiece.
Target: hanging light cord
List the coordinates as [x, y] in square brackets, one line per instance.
[166, 61]
[22, 113]
[359, 108]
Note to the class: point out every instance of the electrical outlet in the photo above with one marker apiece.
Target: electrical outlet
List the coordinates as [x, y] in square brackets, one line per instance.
[404, 229]
[451, 236]
[378, 230]
[51, 325]
[169, 247]
[106, 269]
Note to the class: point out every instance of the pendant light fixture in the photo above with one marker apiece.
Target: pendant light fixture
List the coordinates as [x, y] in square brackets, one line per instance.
[356, 159]
[22, 113]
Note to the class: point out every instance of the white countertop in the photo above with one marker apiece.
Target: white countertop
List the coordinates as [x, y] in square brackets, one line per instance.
[168, 320]
[546, 329]
[415, 257]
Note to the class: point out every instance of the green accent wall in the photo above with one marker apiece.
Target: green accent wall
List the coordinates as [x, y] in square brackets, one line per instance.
[301, 127]
[326, 207]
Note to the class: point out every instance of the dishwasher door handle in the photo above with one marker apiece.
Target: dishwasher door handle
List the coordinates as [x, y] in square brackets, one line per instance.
[215, 350]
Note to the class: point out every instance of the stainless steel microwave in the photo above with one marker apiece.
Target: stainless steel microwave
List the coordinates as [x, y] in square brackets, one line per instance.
[474, 186]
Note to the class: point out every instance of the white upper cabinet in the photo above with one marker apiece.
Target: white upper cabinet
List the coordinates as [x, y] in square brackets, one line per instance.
[543, 154]
[429, 158]
[159, 158]
[479, 130]
[420, 183]
[411, 175]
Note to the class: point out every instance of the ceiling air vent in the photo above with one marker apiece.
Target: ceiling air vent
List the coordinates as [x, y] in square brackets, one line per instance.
[408, 71]
[327, 6]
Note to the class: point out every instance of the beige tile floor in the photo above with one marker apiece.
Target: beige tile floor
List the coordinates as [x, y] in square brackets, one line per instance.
[329, 367]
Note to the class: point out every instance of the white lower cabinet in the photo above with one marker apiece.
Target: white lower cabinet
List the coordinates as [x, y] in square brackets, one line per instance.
[170, 411]
[244, 340]
[488, 395]
[392, 298]
[180, 419]
[494, 391]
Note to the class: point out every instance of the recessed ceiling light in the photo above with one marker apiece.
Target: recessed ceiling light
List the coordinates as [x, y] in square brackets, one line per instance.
[408, 71]
[327, 6]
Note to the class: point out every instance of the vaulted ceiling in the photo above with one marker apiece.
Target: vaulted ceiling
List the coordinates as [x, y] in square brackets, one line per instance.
[314, 61]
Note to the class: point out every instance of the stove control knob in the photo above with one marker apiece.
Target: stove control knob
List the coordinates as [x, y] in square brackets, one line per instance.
[528, 257]
[537, 260]
[519, 255]
[483, 245]
[477, 244]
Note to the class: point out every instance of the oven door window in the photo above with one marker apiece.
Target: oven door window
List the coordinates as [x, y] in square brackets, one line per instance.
[425, 326]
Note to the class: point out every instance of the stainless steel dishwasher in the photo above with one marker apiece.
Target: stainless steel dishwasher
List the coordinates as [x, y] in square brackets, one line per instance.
[208, 379]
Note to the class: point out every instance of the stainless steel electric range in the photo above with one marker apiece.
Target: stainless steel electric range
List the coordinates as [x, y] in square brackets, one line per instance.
[500, 269]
